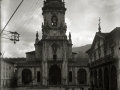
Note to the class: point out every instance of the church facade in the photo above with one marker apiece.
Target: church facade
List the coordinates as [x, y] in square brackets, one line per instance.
[52, 62]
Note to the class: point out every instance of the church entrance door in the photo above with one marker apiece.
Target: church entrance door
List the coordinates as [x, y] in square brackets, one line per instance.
[54, 75]
[26, 76]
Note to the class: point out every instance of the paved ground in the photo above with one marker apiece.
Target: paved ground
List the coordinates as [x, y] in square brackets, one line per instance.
[51, 88]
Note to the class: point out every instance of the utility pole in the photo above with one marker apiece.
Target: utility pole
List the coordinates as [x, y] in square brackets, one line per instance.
[0, 47]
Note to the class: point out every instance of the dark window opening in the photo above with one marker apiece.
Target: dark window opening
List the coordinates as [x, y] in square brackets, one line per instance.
[54, 21]
[112, 50]
[38, 76]
[70, 76]
[54, 57]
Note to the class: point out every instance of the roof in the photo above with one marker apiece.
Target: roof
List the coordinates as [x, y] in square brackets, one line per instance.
[80, 62]
[14, 60]
[113, 32]
[105, 36]
[32, 52]
[54, 0]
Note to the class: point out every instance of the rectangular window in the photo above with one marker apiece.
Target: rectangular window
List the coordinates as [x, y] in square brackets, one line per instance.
[95, 55]
[54, 57]
[6, 67]
[104, 52]
[9, 67]
[6, 74]
[112, 50]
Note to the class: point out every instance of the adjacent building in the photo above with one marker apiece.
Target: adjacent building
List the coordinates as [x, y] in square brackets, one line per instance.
[104, 56]
[7, 71]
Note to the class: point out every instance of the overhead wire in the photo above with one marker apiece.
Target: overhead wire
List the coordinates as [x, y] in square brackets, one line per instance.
[5, 34]
[27, 15]
[11, 16]
[28, 23]
[31, 18]
[29, 26]
[29, 4]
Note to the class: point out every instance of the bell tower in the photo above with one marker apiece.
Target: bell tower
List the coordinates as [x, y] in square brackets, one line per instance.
[54, 49]
[54, 18]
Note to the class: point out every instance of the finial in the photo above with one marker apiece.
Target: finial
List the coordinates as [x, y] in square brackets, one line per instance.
[37, 35]
[37, 40]
[42, 25]
[99, 25]
[69, 36]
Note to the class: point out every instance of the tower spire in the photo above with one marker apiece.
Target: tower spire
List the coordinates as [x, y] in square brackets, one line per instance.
[69, 36]
[99, 25]
[37, 35]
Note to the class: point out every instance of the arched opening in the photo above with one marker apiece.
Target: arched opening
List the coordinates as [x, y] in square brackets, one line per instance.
[70, 76]
[106, 78]
[26, 76]
[38, 76]
[100, 79]
[54, 20]
[95, 79]
[82, 76]
[54, 75]
[113, 78]
[91, 78]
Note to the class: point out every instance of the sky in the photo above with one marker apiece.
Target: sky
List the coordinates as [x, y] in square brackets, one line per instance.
[81, 17]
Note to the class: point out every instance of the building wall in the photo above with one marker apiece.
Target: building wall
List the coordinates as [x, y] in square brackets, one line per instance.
[7, 71]
[110, 44]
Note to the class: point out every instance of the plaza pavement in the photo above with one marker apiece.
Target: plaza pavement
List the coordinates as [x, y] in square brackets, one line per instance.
[50, 88]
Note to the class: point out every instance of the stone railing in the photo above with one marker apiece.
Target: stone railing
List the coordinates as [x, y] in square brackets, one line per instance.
[56, 37]
[51, 59]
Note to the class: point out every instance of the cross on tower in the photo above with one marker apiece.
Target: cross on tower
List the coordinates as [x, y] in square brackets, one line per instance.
[99, 25]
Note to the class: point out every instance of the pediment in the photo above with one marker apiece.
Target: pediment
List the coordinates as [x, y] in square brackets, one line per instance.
[98, 39]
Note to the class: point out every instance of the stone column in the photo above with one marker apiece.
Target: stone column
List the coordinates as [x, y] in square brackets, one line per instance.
[109, 78]
[103, 77]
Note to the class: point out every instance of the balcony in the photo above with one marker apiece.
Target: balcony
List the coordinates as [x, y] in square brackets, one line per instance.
[107, 59]
[50, 60]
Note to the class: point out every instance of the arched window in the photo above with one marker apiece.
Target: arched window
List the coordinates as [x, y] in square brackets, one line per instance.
[54, 20]
[82, 76]
[70, 76]
[113, 78]
[26, 76]
[38, 76]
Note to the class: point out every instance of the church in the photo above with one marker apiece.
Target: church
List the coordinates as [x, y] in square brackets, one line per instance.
[53, 62]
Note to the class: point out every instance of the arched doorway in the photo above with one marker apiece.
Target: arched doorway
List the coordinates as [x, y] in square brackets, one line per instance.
[54, 75]
[113, 78]
[100, 79]
[82, 76]
[106, 78]
[91, 78]
[38, 76]
[26, 76]
[95, 79]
